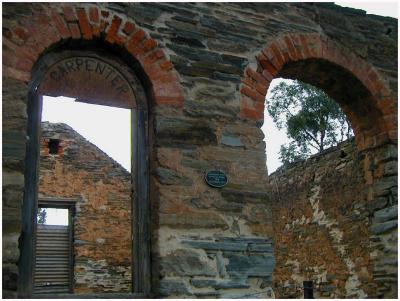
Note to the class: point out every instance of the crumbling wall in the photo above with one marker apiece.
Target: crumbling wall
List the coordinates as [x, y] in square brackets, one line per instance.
[103, 219]
[326, 230]
[206, 111]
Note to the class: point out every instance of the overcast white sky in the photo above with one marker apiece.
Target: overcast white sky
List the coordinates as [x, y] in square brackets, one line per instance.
[109, 128]
[106, 127]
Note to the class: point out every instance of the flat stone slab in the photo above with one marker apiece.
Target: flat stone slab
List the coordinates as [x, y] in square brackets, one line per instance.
[217, 246]
[386, 214]
[253, 265]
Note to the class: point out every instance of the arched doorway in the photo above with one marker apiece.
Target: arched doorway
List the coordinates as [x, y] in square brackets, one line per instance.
[107, 81]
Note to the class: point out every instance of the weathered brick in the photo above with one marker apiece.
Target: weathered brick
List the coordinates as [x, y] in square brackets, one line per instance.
[69, 13]
[94, 14]
[112, 32]
[84, 24]
[129, 28]
[75, 31]
[60, 24]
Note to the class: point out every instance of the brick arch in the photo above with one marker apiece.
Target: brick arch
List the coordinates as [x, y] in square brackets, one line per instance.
[293, 48]
[25, 42]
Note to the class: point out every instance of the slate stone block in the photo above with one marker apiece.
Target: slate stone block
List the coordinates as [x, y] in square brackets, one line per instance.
[208, 295]
[14, 145]
[185, 263]
[253, 265]
[173, 287]
[233, 283]
[217, 246]
[377, 203]
[237, 61]
[383, 227]
[226, 77]
[189, 41]
[202, 283]
[223, 68]
[386, 214]
[382, 186]
[221, 284]
[230, 140]
[267, 248]
[254, 240]
[196, 54]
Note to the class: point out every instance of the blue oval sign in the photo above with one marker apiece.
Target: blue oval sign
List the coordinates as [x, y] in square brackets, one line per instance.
[216, 178]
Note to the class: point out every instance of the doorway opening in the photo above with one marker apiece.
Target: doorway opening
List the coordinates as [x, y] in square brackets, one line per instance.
[111, 245]
[88, 159]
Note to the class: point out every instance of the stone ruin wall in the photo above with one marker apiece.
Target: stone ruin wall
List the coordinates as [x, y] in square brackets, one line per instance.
[102, 222]
[326, 230]
[213, 125]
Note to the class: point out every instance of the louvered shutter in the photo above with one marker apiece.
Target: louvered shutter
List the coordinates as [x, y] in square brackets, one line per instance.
[53, 266]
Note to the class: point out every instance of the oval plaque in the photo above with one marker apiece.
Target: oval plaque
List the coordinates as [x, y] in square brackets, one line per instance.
[216, 178]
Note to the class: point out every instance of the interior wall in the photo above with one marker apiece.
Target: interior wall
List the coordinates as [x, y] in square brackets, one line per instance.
[327, 231]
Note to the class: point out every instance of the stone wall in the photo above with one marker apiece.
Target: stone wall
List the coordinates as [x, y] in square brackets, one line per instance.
[103, 218]
[327, 231]
[206, 68]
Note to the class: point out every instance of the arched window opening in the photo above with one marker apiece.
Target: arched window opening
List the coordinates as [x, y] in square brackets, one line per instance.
[300, 121]
[321, 205]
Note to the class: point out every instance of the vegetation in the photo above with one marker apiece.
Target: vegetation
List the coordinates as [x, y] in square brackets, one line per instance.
[41, 216]
[312, 119]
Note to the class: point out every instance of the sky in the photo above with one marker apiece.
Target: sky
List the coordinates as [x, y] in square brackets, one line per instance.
[55, 216]
[109, 128]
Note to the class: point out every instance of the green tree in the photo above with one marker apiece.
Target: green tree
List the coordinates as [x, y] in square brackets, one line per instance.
[312, 119]
[41, 216]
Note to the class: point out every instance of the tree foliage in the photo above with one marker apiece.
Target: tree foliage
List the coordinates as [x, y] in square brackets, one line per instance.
[312, 119]
[41, 216]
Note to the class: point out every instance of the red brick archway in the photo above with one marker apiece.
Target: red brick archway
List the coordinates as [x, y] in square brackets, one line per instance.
[25, 42]
[373, 125]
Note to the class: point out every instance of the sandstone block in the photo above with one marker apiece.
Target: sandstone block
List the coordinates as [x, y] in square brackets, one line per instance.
[170, 177]
[13, 178]
[185, 131]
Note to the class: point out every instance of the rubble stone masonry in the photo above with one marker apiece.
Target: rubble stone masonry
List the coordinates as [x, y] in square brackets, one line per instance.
[327, 231]
[206, 68]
